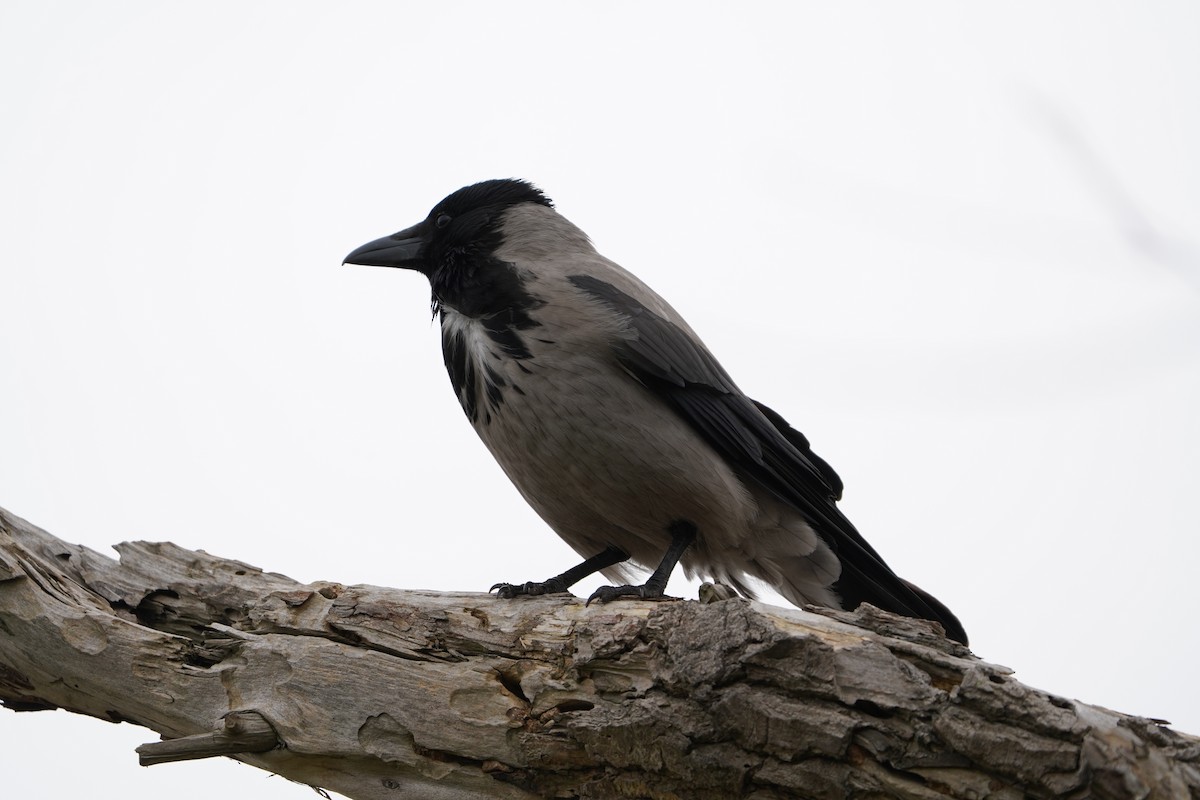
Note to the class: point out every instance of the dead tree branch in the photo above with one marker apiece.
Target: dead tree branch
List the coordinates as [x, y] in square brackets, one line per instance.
[367, 691]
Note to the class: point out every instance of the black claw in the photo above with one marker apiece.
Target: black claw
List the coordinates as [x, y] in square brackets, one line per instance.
[507, 591]
[607, 594]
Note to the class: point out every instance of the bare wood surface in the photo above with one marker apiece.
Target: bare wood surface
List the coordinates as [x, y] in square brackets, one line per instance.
[383, 693]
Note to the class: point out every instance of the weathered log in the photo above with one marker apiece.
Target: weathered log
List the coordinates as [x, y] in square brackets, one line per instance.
[367, 691]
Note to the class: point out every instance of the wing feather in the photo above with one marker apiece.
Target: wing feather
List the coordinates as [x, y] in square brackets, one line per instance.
[671, 362]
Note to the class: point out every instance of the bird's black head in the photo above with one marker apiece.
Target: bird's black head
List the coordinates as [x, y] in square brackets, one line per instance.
[463, 225]
[455, 245]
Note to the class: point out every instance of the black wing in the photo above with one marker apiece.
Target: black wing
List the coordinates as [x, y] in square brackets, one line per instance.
[761, 444]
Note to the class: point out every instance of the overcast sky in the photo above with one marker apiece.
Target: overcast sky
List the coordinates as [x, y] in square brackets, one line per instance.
[957, 246]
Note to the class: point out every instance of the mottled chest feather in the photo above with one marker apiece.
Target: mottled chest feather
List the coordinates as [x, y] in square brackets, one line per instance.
[476, 352]
[485, 308]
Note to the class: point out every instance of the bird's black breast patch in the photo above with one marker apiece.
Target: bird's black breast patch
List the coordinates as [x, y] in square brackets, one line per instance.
[503, 330]
[474, 366]
[484, 287]
[478, 299]
[461, 369]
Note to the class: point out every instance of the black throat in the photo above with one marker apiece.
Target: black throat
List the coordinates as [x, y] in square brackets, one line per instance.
[482, 287]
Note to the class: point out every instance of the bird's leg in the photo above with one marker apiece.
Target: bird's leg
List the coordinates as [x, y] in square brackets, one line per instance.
[561, 583]
[683, 533]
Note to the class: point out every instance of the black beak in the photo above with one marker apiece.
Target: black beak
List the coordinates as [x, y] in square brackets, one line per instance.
[405, 249]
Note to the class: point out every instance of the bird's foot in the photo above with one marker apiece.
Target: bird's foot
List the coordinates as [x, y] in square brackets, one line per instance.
[508, 591]
[606, 594]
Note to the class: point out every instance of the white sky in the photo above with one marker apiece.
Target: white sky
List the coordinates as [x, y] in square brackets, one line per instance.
[957, 246]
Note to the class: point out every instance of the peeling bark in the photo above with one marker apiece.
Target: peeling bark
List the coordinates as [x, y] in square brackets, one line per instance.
[369, 691]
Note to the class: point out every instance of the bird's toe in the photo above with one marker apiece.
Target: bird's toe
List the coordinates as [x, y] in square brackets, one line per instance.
[605, 594]
[508, 591]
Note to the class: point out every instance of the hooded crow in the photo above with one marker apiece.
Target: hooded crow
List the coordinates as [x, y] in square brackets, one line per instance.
[616, 423]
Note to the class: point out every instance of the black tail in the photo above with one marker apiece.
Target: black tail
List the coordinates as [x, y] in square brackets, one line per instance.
[945, 616]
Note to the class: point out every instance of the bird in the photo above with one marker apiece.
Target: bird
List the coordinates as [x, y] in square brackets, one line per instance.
[617, 424]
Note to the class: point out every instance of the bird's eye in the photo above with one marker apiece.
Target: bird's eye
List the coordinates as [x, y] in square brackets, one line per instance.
[442, 221]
